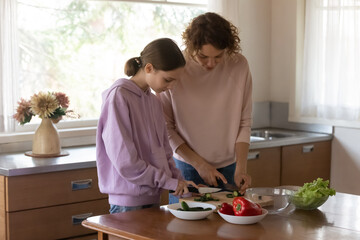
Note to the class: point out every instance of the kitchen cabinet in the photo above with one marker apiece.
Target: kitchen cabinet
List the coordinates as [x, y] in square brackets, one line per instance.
[305, 162]
[264, 167]
[50, 205]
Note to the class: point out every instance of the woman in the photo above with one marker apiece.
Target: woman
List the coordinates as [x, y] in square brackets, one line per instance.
[134, 159]
[208, 112]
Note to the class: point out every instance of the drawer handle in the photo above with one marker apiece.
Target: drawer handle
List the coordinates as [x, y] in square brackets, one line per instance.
[308, 148]
[253, 155]
[77, 219]
[81, 184]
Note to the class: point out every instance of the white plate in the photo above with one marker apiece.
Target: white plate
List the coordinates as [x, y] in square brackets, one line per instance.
[191, 215]
[243, 219]
[203, 190]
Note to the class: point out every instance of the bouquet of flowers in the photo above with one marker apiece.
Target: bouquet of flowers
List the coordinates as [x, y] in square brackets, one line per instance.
[46, 105]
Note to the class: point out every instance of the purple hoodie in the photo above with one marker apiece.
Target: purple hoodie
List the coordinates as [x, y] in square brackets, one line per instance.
[134, 158]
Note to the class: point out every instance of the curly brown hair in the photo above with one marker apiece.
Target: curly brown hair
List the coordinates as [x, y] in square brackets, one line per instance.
[211, 28]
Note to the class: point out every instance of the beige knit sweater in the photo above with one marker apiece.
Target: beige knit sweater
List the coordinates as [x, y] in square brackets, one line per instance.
[210, 110]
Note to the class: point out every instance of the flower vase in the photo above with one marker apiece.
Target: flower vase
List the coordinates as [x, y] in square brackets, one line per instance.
[46, 142]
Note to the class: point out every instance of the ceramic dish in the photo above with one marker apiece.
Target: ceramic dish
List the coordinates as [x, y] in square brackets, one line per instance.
[243, 219]
[191, 215]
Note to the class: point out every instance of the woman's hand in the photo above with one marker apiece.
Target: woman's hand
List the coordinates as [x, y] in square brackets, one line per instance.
[242, 180]
[206, 171]
[182, 187]
[209, 174]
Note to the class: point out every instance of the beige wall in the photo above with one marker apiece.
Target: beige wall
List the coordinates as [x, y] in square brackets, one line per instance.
[269, 41]
[283, 49]
[255, 35]
[268, 38]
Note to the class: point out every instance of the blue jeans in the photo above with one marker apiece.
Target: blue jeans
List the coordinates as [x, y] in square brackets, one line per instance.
[119, 209]
[189, 173]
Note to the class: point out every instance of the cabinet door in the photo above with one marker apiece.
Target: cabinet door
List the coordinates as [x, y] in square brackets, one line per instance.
[58, 222]
[51, 189]
[264, 167]
[305, 162]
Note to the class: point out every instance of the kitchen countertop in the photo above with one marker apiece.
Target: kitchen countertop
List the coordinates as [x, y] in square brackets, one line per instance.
[338, 218]
[15, 164]
[297, 137]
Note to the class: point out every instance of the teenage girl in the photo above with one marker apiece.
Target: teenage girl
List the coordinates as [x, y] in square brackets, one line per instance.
[134, 158]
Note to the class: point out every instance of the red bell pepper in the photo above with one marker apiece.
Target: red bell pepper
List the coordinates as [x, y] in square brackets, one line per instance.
[244, 207]
[226, 209]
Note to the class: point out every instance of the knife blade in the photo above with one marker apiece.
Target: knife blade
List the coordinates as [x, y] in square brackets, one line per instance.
[209, 190]
[231, 187]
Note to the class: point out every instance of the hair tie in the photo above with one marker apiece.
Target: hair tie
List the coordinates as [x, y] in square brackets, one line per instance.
[138, 61]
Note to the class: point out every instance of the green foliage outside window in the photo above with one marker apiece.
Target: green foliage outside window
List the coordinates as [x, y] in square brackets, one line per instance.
[80, 47]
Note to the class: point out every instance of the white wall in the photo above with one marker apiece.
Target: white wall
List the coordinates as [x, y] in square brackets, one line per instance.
[268, 33]
[255, 34]
[283, 49]
[345, 165]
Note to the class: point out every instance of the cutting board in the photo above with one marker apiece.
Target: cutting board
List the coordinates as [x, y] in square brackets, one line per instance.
[263, 201]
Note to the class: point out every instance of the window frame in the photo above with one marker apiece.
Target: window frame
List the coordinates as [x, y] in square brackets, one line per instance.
[75, 128]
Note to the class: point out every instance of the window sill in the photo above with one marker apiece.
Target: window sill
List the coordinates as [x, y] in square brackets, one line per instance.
[68, 137]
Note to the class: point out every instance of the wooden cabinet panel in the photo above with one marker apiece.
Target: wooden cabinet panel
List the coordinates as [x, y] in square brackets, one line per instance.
[305, 162]
[264, 167]
[2, 208]
[51, 189]
[54, 222]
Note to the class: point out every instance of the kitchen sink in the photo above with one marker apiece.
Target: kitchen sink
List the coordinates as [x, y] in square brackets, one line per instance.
[266, 134]
[274, 136]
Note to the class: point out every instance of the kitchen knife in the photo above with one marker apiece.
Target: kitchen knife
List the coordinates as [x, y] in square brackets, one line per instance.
[232, 187]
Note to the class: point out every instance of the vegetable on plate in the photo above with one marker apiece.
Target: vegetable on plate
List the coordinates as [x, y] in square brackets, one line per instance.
[185, 207]
[244, 207]
[226, 209]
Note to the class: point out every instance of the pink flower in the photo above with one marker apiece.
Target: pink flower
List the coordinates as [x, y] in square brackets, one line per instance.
[62, 99]
[23, 111]
[46, 105]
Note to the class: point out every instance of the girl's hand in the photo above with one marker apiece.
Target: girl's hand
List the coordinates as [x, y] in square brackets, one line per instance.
[182, 187]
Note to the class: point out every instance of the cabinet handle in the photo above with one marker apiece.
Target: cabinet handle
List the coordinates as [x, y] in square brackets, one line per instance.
[81, 184]
[77, 219]
[308, 148]
[253, 155]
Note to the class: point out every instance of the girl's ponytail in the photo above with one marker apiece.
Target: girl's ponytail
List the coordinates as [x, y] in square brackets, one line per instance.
[162, 53]
[132, 66]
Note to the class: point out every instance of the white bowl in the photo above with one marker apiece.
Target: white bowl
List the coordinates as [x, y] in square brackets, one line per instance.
[191, 215]
[243, 219]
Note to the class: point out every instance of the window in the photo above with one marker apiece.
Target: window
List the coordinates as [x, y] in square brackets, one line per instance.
[328, 91]
[78, 47]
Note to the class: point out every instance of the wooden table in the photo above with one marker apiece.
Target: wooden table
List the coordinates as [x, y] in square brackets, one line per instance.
[337, 219]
